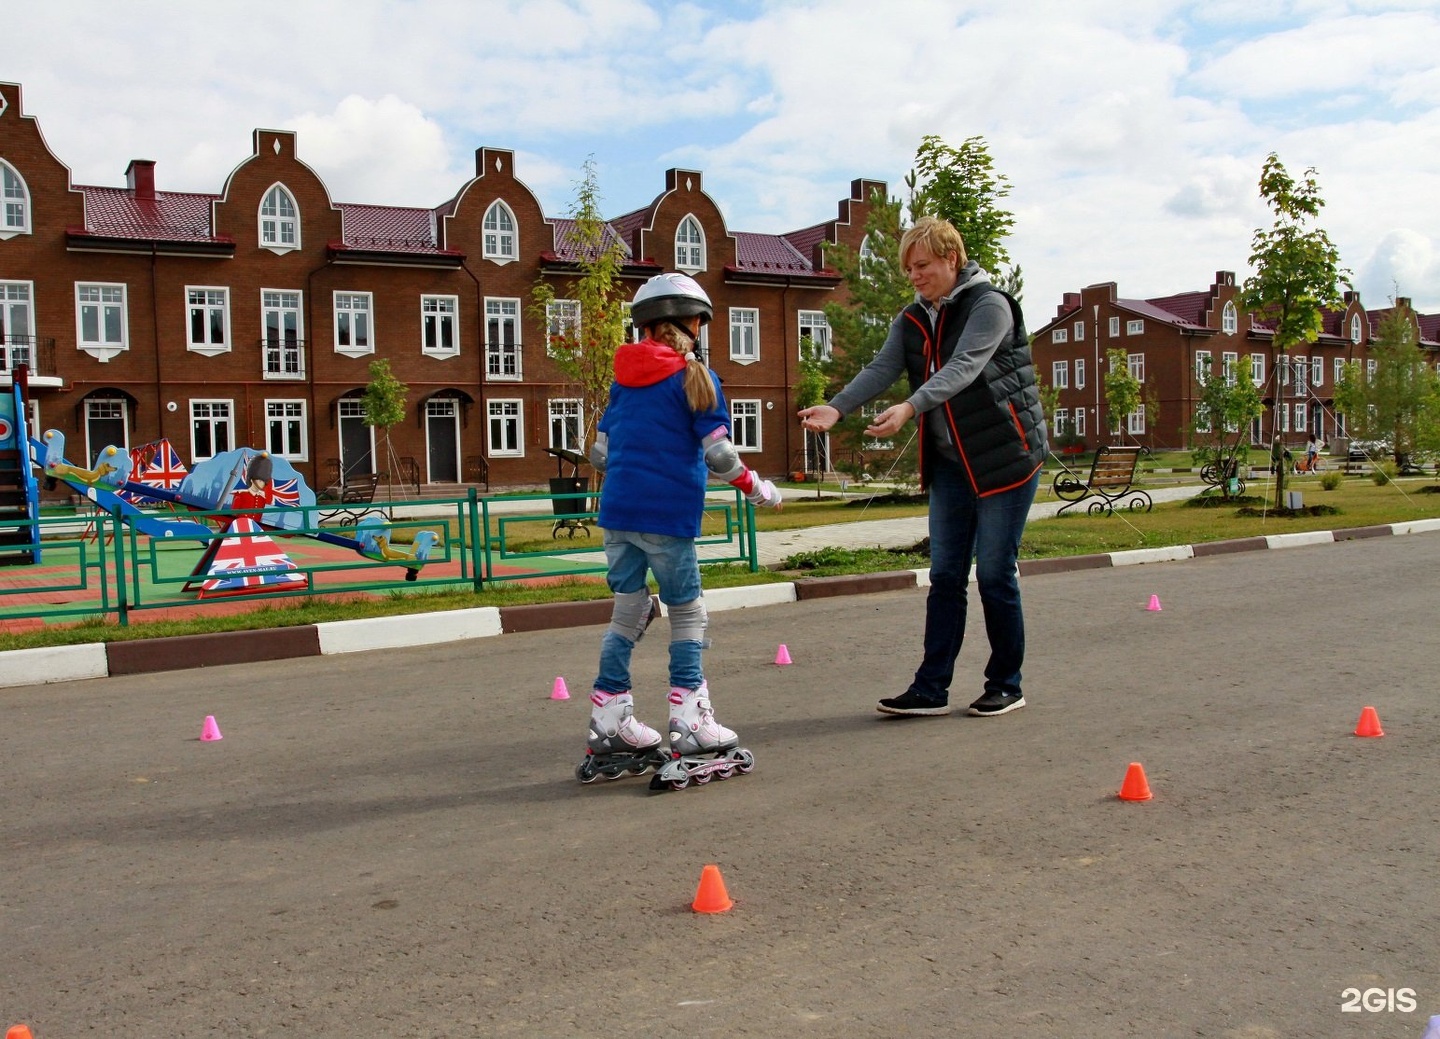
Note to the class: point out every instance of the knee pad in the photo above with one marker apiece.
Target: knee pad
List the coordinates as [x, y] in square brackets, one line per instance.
[631, 614]
[688, 621]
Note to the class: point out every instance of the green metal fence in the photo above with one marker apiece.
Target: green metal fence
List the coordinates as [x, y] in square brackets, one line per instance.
[97, 565]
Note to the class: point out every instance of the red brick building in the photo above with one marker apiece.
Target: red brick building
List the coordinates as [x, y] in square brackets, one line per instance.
[1170, 343]
[248, 317]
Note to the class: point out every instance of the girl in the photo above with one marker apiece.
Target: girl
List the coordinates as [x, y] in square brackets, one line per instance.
[665, 431]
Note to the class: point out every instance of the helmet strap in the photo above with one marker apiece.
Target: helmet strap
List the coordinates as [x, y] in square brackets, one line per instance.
[694, 342]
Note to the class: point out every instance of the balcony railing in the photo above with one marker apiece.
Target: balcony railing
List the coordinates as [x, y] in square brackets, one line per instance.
[38, 352]
[284, 358]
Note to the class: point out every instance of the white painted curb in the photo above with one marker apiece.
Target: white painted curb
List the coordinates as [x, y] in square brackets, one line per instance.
[55, 664]
[420, 629]
[1134, 557]
[718, 599]
[1307, 537]
[1416, 526]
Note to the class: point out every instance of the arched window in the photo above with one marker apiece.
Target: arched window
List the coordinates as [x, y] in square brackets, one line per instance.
[1228, 322]
[14, 202]
[1354, 328]
[499, 233]
[279, 221]
[689, 245]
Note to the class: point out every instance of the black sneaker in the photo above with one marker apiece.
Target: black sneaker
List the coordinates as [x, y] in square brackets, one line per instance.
[993, 704]
[910, 704]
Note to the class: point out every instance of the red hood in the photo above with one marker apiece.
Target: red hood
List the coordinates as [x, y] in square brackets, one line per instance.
[644, 364]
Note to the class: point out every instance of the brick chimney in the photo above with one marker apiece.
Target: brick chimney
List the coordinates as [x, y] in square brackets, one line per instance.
[140, 178]
[1069, 302]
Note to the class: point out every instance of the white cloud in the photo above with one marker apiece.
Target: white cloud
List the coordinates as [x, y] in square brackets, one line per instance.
[367, 148]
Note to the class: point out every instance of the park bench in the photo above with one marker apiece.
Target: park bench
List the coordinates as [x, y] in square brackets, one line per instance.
[1111, 482]
[351, 501]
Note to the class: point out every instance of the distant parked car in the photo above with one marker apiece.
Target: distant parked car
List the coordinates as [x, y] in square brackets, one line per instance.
[1369, 451]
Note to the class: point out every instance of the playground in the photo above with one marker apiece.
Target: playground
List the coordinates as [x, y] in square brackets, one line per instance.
[393, 843]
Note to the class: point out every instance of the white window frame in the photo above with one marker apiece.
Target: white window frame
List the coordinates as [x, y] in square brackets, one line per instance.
[1079, 373]
[1203, 370]
[1355, 330]
[1079, 419]
[1135, 421]
[1229, 319]
[1257, 369]
[507, 413]
[279, 231]
[1114, 328]
[1370, 369]
[102, 298]
[209, 303]
[1338, 370]
[283, 357]
[744, 335]
[1135, 365]
[1079, 331]
[1300, 410]
[15, 206]
[354, 321]
[439, 320]
[1202, 419]
[17, 339]
[690, 251]
[1317, 371]
[814, 324]
[1060, 374]
[1135, 327]
[288, 418]
[214, 421]
[562, 318]
[1228, 361]
[498, 241]
[745, 430]
[567, 418]
[1060, 335]
[503, 312]
[1302, 371]
[1062, 421]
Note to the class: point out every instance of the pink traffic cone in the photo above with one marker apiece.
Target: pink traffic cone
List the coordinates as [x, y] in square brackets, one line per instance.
[210, 731]
[1154, 604]
[559, 692]
[782, 655]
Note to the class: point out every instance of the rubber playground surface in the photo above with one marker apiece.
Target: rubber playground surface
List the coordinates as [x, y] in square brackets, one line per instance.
[393, 843]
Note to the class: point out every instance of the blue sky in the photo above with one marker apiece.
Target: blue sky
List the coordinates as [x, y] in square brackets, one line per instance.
[1132, 131]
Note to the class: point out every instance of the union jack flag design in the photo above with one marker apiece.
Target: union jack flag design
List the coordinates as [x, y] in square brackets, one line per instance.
[247, 561]
[165, 469]
[287, 492]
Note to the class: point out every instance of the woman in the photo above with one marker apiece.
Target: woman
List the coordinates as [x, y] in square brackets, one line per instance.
[982, 444]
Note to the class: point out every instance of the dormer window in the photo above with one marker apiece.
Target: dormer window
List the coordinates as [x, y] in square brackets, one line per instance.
[279, 221]
[1228, 320]
[500, 233]
[689, 245]
[1354, 328]
[14, 202]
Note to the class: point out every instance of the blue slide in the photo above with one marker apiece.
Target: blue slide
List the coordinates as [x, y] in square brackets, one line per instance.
[19, 491]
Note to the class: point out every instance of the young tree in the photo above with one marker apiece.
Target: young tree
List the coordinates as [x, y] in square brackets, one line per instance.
[1297, 272]
[384, 406]
[584, 331]
[1229, 402]
[878, 290]
[1400, 404]
[961, 186]
[1122, 390]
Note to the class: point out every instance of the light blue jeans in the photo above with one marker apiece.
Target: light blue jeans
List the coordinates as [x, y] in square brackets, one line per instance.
[629, 554]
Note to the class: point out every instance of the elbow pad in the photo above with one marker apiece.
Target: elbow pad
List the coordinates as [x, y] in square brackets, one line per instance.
[721, 458]
[600, 452]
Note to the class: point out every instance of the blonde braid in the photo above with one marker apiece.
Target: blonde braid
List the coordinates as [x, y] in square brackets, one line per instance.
[699, 388]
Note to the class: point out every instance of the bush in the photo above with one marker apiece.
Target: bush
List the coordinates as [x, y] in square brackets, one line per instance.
[1383, 473]
[1330, 481]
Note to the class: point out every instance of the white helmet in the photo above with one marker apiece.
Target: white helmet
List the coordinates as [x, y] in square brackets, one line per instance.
[670, 296]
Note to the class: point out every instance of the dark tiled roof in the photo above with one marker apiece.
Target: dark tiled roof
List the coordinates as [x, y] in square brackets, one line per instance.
[567, 246]
[399, 229]
[1150, 309]
[1189, 307]
[173, 216]
[765, 252]
[805, 240]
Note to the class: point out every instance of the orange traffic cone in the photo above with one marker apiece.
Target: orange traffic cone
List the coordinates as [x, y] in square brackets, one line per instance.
[1154, 604]
[711, 896]
[1369, 724]
[782, 655]
[209, 732]
[1135, 787]
[18, 1032]
[559, 692]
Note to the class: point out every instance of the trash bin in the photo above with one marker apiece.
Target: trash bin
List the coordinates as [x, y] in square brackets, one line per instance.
[571, 514]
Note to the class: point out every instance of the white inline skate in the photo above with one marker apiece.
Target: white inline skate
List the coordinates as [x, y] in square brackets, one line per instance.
[618, 744]
[701, 749]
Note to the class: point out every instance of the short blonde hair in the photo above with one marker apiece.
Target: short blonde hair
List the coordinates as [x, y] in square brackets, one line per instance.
[937, 237]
